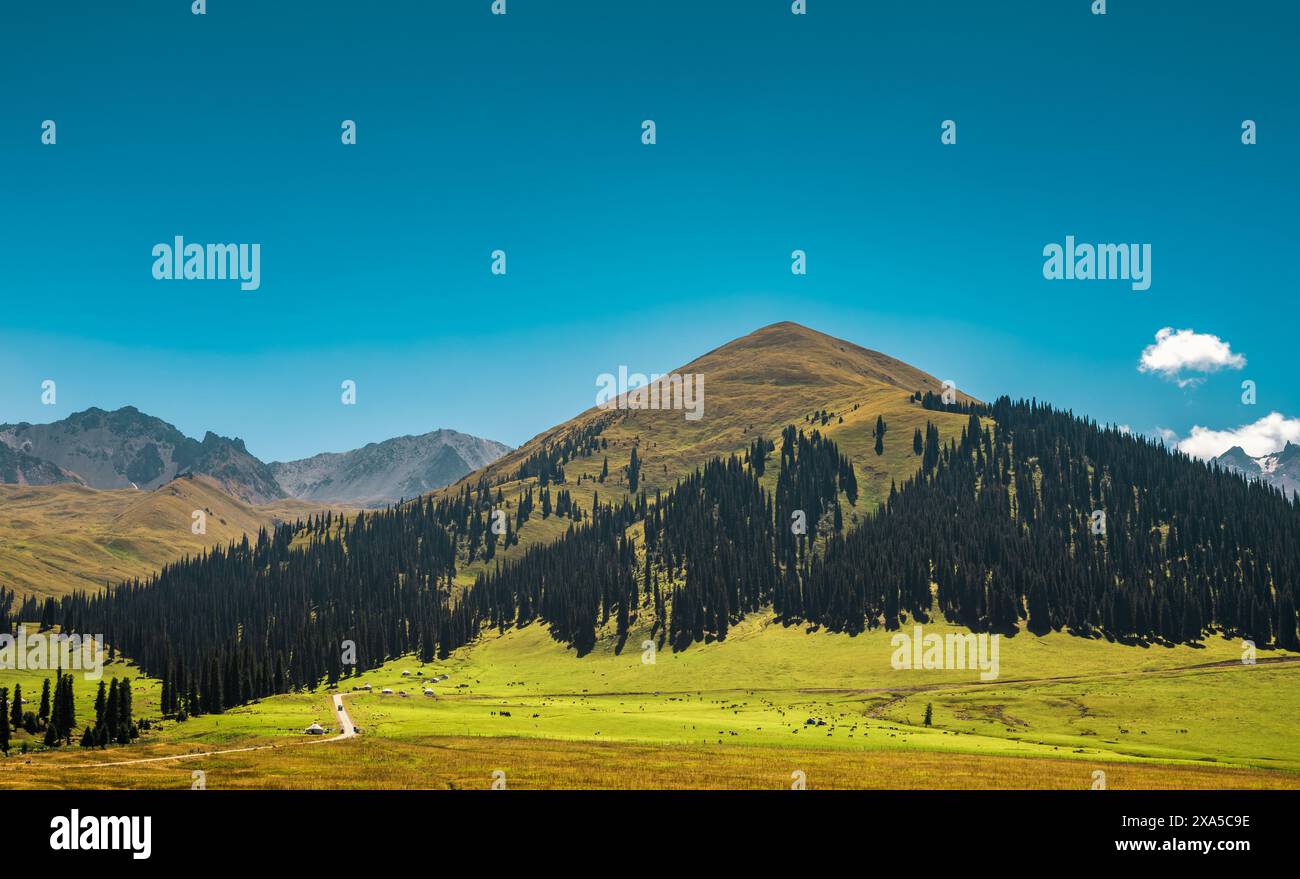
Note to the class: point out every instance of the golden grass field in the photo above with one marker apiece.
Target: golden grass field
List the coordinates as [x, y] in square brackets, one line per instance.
[469, 763]
[55, 539]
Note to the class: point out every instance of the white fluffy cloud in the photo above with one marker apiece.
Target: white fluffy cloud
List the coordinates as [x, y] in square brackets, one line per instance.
[1178, 350]
[1268, 434]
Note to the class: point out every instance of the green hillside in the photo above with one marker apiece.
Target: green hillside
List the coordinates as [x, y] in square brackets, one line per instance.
[753, 387]
[58, 538]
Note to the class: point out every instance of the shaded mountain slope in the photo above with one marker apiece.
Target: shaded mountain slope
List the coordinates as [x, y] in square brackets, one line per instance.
[388, 471]
[128, 449]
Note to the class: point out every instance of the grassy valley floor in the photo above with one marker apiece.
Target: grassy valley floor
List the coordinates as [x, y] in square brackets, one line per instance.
[736, 715]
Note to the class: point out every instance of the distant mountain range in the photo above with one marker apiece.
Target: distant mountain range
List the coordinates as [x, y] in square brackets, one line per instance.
[403, 467]
[127, 448]
[1280, 469]
[19, 468]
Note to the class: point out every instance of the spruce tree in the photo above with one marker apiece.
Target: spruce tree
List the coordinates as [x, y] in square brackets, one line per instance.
[124, 712]
[633, 472]
[111, 707]
[4, 720]
[16, 713]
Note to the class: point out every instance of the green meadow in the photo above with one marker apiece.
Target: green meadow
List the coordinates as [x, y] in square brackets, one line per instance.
[1059, 698]
[144, 692]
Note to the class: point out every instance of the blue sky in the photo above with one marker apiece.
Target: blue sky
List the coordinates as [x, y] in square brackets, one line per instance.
[522, 132]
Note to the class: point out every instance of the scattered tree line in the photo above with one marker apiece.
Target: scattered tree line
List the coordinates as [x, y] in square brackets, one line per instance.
[56, 717]
[547, 463]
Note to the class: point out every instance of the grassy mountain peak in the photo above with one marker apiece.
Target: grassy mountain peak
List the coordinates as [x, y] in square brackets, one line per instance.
[754, 386]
